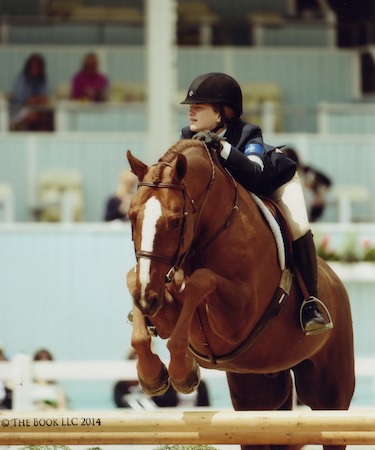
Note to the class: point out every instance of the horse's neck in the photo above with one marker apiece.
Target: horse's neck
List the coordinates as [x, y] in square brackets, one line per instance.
[227, 199]
[221, 200]
[251, 221]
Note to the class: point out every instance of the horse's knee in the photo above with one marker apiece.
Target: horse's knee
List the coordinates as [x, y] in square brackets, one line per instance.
[204, 280]
[178, 345]
[141, 343]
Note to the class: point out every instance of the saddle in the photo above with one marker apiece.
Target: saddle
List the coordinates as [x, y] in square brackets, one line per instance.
[282, 223]
[284, 235]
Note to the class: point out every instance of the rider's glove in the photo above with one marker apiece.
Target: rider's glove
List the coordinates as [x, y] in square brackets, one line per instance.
[212, 140]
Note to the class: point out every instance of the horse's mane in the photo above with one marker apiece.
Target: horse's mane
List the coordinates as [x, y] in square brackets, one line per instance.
[178, 148]
[170, 155]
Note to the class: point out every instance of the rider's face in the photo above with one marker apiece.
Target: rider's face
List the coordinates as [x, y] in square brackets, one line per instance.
[203, 117]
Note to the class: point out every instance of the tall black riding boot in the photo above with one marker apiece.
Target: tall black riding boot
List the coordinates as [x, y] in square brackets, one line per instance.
[304, 255]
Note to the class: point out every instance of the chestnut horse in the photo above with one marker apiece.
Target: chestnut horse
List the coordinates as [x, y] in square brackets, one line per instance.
[207, 268]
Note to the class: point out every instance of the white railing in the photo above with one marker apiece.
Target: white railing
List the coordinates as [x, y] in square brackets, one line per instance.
[21, 371]
[349, 118]
[68, 112]
[346, 117]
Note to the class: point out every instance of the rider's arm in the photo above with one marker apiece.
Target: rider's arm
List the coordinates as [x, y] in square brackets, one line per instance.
[245, 167]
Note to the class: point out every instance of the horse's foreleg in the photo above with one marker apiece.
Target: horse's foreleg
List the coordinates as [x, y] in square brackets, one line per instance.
[152, 373]
[183, 369]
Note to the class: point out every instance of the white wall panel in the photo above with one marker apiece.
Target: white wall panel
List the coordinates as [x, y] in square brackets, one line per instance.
[98, 158]
[65, 290]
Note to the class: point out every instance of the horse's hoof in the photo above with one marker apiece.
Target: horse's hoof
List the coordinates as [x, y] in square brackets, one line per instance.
[189, 384]
[158, 386]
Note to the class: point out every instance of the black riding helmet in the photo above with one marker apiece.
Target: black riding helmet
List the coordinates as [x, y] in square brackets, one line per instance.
[215, 88]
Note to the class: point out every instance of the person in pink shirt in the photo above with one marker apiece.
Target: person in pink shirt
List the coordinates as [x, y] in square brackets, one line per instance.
[88, 84]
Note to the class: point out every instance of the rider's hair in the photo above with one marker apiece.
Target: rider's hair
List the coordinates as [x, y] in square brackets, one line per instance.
[226, 112]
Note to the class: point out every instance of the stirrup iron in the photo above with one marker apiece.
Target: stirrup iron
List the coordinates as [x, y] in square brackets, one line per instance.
[327, 326]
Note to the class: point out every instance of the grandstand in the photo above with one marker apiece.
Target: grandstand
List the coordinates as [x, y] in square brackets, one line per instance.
[308, 77]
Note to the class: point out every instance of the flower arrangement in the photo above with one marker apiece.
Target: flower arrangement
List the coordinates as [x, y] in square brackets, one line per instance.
[351, 250]
[369, 251]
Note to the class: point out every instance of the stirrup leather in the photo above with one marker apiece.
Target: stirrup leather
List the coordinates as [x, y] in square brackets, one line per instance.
[327, 326]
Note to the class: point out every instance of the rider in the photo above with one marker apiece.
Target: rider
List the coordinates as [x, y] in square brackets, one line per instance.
[215, 101]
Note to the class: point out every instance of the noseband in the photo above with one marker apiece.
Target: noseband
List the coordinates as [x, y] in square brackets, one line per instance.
[177, 260]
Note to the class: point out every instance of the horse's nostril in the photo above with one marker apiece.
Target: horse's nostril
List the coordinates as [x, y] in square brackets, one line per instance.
[150, 303]
[153, 302]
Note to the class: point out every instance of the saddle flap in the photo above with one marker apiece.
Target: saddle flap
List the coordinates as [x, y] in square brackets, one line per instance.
[280, 218]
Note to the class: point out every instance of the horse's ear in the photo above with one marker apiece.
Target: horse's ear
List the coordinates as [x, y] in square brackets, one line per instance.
[137, 166]
[180, 168]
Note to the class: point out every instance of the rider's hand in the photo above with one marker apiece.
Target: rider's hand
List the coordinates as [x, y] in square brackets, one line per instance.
[212, 140]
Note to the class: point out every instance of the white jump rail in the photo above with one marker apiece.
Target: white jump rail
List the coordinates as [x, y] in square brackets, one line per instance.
[189, 427]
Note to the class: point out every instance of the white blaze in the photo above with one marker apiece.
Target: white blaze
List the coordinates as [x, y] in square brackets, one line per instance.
[151, 217]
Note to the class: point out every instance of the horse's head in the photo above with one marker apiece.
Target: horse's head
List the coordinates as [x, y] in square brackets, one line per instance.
[163, 219]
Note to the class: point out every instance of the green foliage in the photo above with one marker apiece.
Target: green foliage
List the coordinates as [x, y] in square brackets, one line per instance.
[327, 255]
[369, 255]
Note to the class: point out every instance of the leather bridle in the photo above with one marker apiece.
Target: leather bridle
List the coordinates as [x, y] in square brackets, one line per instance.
[179, 257]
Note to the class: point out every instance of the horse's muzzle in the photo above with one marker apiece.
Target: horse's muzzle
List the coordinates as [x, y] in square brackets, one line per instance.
[149, 304]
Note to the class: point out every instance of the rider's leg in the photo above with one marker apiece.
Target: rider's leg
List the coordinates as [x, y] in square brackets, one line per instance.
[290, 199]
[305, 259]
